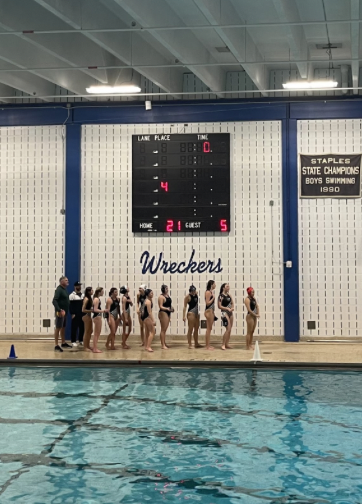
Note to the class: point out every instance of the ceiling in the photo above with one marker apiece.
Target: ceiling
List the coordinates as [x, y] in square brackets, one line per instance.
[53, 48]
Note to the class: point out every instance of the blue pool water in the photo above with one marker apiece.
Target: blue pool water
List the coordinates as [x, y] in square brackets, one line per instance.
[173, 435]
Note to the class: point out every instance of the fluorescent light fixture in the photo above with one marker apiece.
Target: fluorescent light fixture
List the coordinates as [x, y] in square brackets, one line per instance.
[127, 88]
[303, 84]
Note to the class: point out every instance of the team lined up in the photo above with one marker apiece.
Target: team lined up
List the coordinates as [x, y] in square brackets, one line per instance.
[118, 312]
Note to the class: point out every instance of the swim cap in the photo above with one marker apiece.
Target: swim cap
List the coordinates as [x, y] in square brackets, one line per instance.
[148, 291]
[192, 288]
[248, 290]
[143, 286]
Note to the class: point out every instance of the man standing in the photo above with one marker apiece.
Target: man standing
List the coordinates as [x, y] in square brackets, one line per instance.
[61, 305]
[75, 308]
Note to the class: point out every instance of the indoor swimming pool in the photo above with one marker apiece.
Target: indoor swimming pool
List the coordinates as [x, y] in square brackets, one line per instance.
[136, 435]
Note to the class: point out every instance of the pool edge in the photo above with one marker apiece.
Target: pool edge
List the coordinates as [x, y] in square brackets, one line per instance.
[341, 366]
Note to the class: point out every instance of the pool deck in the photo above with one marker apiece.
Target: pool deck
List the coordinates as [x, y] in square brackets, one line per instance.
[38, 351]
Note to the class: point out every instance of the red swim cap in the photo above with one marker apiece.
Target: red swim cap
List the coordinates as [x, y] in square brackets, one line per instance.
[248, 290]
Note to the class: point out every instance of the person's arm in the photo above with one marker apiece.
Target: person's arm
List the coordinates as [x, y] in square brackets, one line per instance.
[95, 306]
[160, 302]
[208, 296]
[130, 302]
[219, 304]
[84, 309]
[257, 309]
[124, 301]
[71, 305]
[186, 300]
[247, 304]
[55, 300]
[232, 304]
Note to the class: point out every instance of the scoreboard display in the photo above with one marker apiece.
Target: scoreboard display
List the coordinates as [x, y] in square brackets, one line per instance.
[181, 183]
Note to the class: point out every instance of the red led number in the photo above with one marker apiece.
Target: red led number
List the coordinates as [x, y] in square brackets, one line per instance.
[169, 226]
[179, 225]
[223, 225]
[164, 185]
[206, 146]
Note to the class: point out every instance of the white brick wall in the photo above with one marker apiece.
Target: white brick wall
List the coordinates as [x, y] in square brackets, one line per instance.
[32, 229]
[111, 253]
[330, 240]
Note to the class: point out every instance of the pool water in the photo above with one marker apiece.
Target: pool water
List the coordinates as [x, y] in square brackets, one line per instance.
[138, 435]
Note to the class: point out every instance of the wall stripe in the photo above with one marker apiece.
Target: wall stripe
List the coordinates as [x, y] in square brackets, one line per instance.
[72, 205]
[290, 231]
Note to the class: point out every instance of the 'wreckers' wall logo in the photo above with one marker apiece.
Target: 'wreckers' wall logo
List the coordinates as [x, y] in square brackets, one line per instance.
[152, 265]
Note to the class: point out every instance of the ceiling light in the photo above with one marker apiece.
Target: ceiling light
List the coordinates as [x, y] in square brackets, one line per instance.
[318, 84]
[128, 88]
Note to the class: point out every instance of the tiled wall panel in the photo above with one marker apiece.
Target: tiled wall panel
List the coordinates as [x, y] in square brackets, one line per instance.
[330, 240]
[32, 228]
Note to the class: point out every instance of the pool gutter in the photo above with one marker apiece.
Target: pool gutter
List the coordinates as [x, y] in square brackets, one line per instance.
[341, 366]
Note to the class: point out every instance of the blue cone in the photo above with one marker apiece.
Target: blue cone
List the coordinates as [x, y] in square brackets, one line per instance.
[12, 354]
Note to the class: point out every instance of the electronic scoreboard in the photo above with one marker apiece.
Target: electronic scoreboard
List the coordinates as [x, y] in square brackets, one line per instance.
[181, 183]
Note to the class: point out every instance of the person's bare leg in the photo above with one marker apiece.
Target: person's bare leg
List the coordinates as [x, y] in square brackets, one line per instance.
[142, 330]
[97, 331]
[164, 321]
[87, 333]
[196, 332]
[190, 322]
[230, 326]
[151, 333]
[113, 339]
[62, 334]
[249, 334]
[226, 333]
[209, 314]
[127, 332]
[252, 333]
[56, 336]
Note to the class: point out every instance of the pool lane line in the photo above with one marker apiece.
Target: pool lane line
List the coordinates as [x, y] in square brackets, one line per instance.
[263, 414]
[277, 365]
[72, 426]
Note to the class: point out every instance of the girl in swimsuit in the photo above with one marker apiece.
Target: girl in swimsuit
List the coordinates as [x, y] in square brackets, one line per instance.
[97, 317]
[87, 309]
[251, 317]
[126, 315]
[148, 319]
[193, 317]
[209, 311]
[164, 314]
[141, 297]
[113, 316]
[226, 305]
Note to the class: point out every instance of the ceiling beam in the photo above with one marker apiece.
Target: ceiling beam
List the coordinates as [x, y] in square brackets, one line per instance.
[183, 48]
[120, 45]
[18, 52]
[27, 83]
[6, 90]
[355, 42]
[287, 11]
[239, 42]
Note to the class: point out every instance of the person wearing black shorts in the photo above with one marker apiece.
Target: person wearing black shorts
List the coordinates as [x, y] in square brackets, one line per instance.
[61, 305]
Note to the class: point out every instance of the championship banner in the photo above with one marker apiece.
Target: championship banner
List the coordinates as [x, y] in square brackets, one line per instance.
[330, 176]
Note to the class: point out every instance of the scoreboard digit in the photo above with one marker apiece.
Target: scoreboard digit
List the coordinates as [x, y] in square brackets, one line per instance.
[181, 183]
